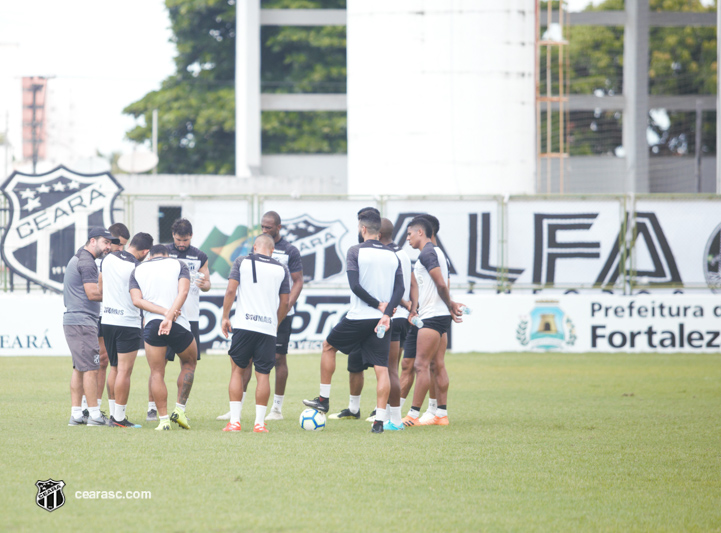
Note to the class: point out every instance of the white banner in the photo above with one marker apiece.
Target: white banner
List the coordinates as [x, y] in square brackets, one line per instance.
[32, 324]
[586, 323]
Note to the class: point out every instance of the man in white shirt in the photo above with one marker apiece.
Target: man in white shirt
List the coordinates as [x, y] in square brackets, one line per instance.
[261, 285]
[121, 323]
[159, 287]
[433, 304]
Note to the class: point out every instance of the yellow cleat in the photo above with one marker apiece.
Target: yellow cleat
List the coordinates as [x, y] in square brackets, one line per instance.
[163, 426]
[179, 418]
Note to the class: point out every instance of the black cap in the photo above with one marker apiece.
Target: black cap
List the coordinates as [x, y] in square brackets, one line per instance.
[97, 232]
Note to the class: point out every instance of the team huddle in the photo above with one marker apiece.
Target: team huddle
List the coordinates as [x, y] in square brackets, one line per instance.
[149, 294]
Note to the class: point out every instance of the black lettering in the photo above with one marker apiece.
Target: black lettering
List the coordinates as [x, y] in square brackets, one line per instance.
[21, 234]
[669, 341]
[643, 311]
[717, 311]
[694, 337]
[60, 212]
[680, 335]
[76, 202]
[40, 218]
[698, 311]
[595, 336]
[32, 342]
[95, 194]
[595, 307]
[614, 334]
[634, 334]
[710, 342]
[649, 334]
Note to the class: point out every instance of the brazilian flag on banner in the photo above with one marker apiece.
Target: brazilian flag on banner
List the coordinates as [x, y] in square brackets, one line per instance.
[223, 250]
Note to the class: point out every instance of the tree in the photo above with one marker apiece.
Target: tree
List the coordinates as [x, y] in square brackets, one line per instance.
[682, 61]
[196, 105]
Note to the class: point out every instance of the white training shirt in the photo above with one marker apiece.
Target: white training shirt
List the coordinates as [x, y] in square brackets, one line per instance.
[377, 266]
[194, 259]
[158, 279]
[118, 308]
[430, 304]
[402, 312]
[262, 280]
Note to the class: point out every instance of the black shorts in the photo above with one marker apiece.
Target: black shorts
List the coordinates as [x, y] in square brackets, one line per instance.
[399, 330]
[409, 347]
[259, 347]
[178, 339]
[195, 330]
[355, 361]
[350, 336]
[120, 339]
[441, 324]
[283, 337]
[100, 327]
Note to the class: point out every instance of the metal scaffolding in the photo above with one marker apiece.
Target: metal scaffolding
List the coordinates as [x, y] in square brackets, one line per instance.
[551, 145]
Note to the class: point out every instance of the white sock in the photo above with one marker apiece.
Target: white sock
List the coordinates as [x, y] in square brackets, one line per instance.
[354, 404]
[441, 413]
[94, 412]
[403, 400]
[151, 405]
[84, 403]
[260, 414]
[388, 407]
[166, 417]
[325, 390]
[432, 405]
[277, 402]
[414, 413]
[119, 412]
[396, 418]
[76, 412]
[112, 404]
[100, 403]
[235, 410]
[180, 406]
[381, 415]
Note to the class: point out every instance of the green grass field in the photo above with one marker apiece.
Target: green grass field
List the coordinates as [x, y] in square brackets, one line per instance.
[536, 443]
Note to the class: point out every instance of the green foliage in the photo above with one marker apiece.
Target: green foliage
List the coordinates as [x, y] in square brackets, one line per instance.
[196, 105]
[682, 61]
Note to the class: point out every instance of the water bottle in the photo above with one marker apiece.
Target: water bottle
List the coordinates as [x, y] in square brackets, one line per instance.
[465, 310]
[381, 331]
[417, 322]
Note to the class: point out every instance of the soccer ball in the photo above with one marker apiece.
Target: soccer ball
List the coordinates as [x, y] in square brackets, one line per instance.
[312, 420]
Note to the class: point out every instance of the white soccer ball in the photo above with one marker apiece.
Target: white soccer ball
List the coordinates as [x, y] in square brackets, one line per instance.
[312, 420]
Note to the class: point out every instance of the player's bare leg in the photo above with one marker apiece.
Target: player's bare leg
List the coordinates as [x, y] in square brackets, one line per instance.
[281, 378]
[394, 394]
[121, 383]
[408, 374]
[112, 376]
[262, 394]
[102, 372]
[235, 394]
[426, 350]
[156, 361]
[188, 361]
[383, 388]
[327, 368]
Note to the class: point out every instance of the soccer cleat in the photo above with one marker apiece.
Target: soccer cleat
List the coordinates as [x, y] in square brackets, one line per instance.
[234, 426]
[345, 414]
[86, 414]
[377, 427]
[77, 421]
[274, 415]
[152, 415]
[102, 421]
[163, 426]
[410, 421]
[390, 426]
[130, 424]
[428, 415]
[322, 405]
[258, 428]
[436, 421]
[114, 423]
[226, 416]
[372, 417]
[179, 418]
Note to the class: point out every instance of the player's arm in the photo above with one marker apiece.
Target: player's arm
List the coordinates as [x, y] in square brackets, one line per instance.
[413, 309]
[398, 289]
[360, 292]
[91, 280]
[174, 311]
[228, 299]
[204, 284]
[138, 301]
[445, 294]
[297, 278]
[284, 296]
